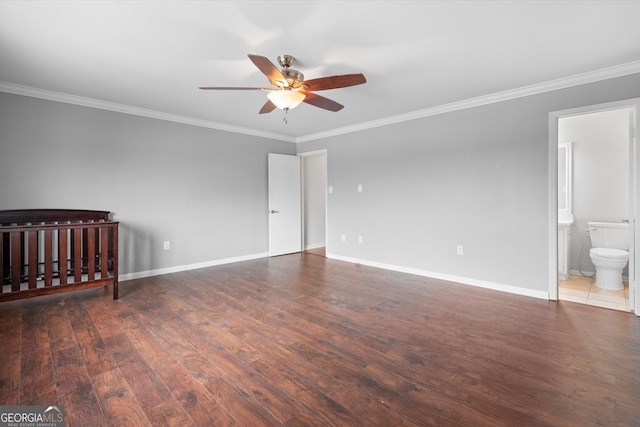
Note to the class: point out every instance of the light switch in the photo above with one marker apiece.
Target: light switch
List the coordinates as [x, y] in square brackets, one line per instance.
[359, 188]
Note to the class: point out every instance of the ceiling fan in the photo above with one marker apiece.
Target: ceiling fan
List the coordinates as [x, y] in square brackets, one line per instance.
[289, 88]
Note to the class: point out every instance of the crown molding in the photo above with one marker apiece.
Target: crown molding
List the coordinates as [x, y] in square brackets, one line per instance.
[136, 111]
[566, 82]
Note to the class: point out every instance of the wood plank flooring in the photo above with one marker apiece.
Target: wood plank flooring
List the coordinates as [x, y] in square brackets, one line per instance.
[301, 340]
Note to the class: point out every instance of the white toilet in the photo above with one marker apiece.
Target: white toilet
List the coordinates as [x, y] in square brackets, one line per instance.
[609, 252]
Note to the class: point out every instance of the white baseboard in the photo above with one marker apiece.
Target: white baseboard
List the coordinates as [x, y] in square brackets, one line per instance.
[577, 273]
[160, 271]
[401, 269]
[591, 274]
[314, 246]
[449, 277]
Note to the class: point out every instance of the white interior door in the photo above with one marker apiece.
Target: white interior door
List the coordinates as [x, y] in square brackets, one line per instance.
[285, 208]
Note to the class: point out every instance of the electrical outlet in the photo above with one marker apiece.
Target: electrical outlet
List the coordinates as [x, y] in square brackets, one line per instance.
[460, 250]
[167, 245]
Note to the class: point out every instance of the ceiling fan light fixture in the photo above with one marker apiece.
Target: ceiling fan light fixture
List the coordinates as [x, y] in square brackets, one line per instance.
[289, 88]
[286, 99]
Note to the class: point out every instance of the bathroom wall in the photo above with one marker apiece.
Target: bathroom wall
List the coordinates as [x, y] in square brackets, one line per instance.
[600, 175]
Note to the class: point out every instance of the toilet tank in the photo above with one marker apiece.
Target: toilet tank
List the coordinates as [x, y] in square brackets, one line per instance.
[609, 235]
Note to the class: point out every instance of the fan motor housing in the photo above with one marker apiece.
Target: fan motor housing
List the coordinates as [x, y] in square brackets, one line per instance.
[292, 76]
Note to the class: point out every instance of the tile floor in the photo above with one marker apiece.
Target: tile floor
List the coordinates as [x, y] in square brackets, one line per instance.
[583, 290]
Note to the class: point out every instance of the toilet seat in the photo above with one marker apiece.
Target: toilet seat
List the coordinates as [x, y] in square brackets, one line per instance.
[610, 253]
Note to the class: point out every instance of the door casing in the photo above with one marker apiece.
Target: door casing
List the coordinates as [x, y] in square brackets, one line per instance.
[634, 202]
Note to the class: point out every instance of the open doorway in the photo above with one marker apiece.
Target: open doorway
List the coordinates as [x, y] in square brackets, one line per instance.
[595, 184]
[314, 202]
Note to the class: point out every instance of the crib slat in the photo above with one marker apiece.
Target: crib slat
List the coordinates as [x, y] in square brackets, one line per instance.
[77, 254]
[91, 254]
[32, 266]
[48, 257]
[62, 255]
[114, 234]
[16, 260]
[85, 239]
[104, 259]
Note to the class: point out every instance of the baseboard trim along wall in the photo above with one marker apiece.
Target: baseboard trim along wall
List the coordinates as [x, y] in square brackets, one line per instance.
[591, 274]
[448, 277]
[577, 273]
[160, 271]
[314, 246]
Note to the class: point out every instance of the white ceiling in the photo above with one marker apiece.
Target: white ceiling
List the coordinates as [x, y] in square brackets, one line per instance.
[151, 56]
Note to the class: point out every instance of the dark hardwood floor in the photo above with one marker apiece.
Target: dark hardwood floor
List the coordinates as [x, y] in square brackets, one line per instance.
[301, 340]
[316, 251]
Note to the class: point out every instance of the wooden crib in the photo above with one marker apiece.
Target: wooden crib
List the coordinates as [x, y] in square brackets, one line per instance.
[45, 251]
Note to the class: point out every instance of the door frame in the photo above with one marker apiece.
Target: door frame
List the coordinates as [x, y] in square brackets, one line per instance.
[324, 153]
[634, 202]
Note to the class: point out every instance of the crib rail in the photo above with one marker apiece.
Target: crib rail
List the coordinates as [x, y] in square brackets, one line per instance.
[40, 258]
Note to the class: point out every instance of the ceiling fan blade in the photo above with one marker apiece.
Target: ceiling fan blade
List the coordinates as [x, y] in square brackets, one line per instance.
[230, 88]
[270, 70]
[267, 107]
[322, 102]
[335, 82]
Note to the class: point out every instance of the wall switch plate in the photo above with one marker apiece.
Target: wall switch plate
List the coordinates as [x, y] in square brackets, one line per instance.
[343, 237]
[360, 239]
[330, 189]
[359, 188]
[460, 250]
[167, 245]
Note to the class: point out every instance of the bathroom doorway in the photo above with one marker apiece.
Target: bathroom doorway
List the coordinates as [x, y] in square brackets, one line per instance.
[593, 185]
[596, 166]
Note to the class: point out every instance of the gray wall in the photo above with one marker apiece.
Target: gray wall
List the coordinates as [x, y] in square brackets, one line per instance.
[203, 190]
[600, 174]
[476, 177]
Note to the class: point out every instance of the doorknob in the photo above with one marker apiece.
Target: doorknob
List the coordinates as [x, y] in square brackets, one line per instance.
[272, 211]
